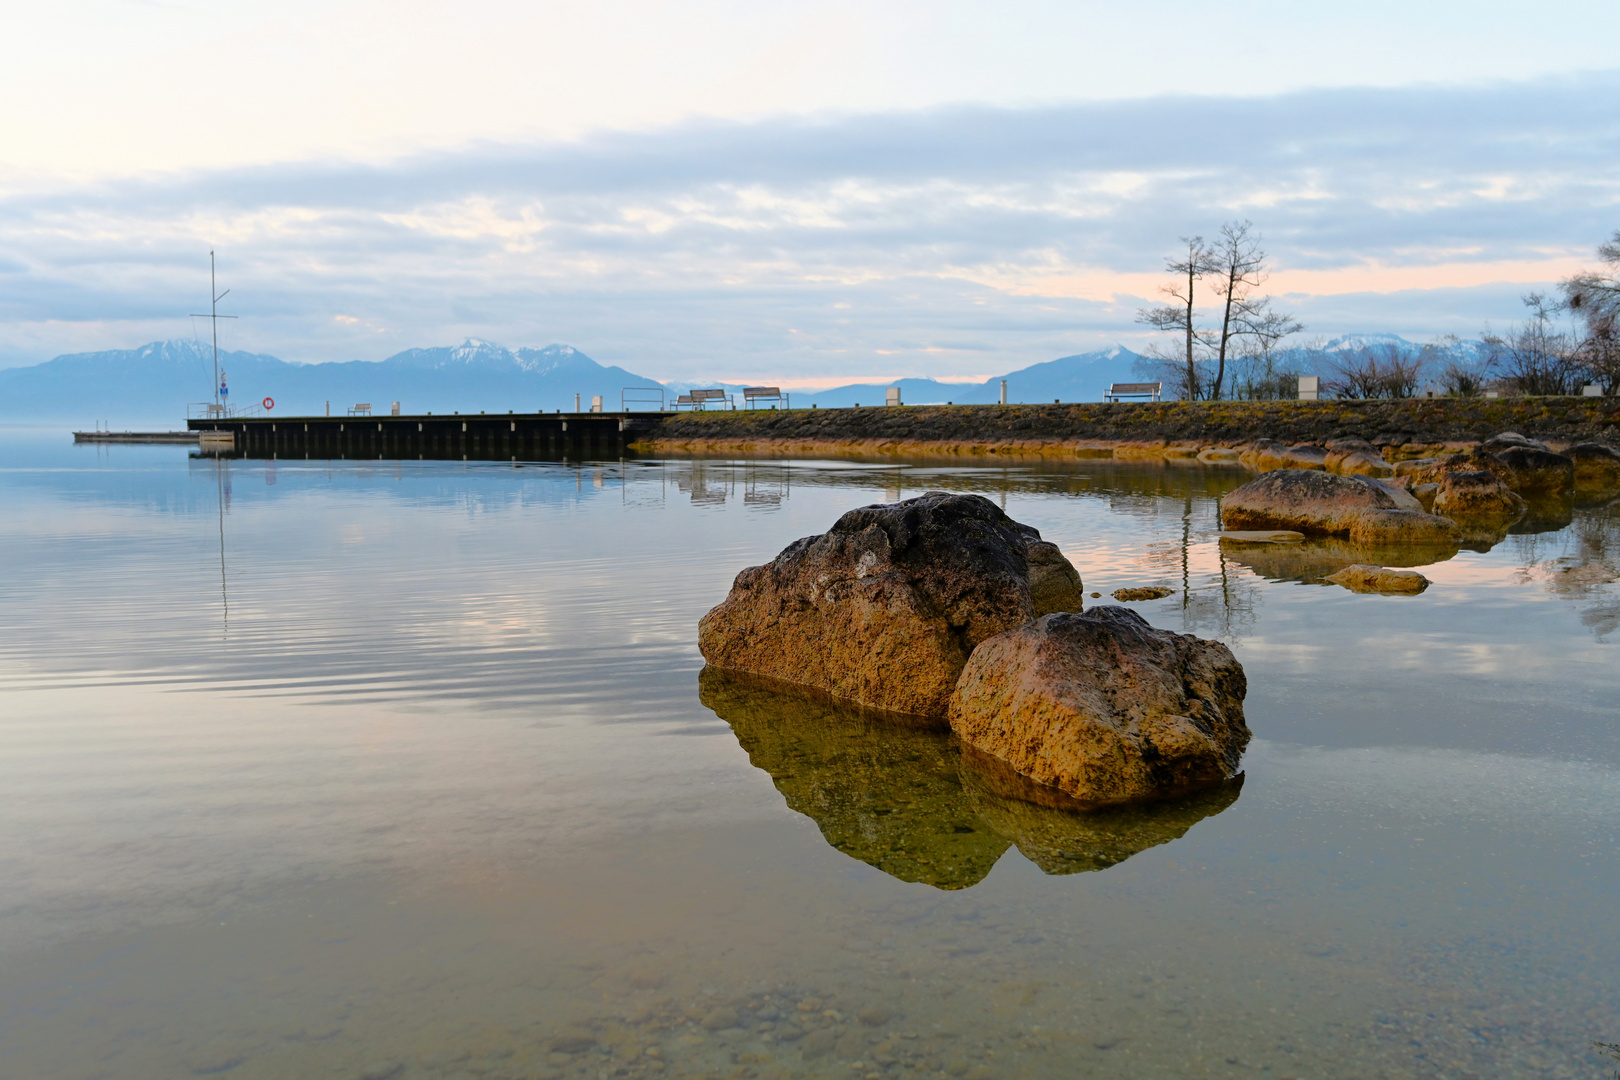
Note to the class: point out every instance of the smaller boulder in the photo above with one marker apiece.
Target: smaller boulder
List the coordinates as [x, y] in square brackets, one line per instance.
[1305, 456]
[1104, 707]
[1265, 455]
[1475, 498]
[1380, 579]
[1415, 465]
[1425, 495]
[1597, 468]
[1507, 440]
[1356, 456]
[1219, 455]
[1325, 504]
[1538, 470]
[1362, 464]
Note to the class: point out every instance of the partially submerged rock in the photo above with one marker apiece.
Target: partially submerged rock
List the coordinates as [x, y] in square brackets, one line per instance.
[1146, 592]
[1476, 498]
[1325, 504]
[1104, 707]
[1597, 468]
[1363, 578]
[1263, 536]
[1537, 471]
[1219, 455]
[885, 607]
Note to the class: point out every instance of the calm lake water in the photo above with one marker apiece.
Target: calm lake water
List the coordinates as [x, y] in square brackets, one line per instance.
[338, 769]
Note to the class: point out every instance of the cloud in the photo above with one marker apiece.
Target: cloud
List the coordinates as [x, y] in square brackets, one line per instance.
[943, 242]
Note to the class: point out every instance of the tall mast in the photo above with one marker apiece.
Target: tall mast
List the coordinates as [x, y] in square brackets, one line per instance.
[214, 316]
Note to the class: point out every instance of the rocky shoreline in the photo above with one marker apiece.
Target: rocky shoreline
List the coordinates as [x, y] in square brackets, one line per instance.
[1147, 430]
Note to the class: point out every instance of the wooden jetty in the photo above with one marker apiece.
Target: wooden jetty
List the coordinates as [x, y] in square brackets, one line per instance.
[454, 436]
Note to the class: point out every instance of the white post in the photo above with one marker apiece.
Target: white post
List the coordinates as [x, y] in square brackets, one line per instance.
[328, 408]
[576, 403]
[1004, 391]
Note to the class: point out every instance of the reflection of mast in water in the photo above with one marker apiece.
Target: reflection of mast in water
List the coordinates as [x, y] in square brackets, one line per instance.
[223, 486]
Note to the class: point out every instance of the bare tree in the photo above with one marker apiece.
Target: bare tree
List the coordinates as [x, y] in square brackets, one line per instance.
[1460, 375]
[1594, 298]
[1239, 270]
[1368, 372]
[1536, 357]
[1180, 317]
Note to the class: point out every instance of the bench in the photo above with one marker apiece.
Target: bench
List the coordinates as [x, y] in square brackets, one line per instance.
[752, 394]
[362, 409]
[1145, 391]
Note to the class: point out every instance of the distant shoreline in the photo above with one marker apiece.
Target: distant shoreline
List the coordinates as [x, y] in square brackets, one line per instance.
[1407, 428]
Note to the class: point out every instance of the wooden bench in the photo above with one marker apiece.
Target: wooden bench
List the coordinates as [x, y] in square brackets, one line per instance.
[1144, 391]
[362, 409]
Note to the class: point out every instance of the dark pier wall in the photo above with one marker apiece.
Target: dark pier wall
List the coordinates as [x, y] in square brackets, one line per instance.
[532, 436]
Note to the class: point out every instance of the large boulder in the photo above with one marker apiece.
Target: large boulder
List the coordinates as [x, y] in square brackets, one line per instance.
[1325, 504]
[1538, 471]
[1597, 468]
[1104, 707]
[885, 607]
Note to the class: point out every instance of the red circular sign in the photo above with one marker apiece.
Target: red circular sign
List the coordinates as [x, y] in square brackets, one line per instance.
[269, 402]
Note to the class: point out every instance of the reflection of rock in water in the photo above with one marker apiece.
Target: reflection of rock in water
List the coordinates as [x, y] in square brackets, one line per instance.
[1057, 835]
[882, 791]
[1319, 558]
[905, 800]
[1545, 513]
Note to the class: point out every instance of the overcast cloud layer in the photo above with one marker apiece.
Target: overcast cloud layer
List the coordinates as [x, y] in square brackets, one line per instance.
[952, 242]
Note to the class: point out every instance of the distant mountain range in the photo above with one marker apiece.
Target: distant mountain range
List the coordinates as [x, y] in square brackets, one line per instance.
[154, 383]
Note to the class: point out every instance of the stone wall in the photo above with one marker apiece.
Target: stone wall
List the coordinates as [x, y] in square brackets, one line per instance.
[1412, 424]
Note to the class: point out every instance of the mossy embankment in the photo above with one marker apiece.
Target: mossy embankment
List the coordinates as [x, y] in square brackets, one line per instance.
[1403, 428]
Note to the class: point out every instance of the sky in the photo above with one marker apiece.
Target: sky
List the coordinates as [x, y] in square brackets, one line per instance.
[809, 192]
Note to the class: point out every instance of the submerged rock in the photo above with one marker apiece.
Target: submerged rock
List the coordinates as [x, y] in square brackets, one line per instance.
[885, 607]
[1104, 707]
[1380, 579]
[1325, 504]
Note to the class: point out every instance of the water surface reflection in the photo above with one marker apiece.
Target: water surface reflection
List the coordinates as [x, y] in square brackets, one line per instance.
[908, 800]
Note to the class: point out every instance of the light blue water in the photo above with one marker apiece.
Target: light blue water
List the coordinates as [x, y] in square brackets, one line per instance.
[376, 769]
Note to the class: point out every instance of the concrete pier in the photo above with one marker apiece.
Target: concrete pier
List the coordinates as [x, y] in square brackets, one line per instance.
[457, 436]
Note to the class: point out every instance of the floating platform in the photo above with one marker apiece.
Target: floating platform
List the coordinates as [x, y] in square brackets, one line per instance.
[455, 437]
[186, 437]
